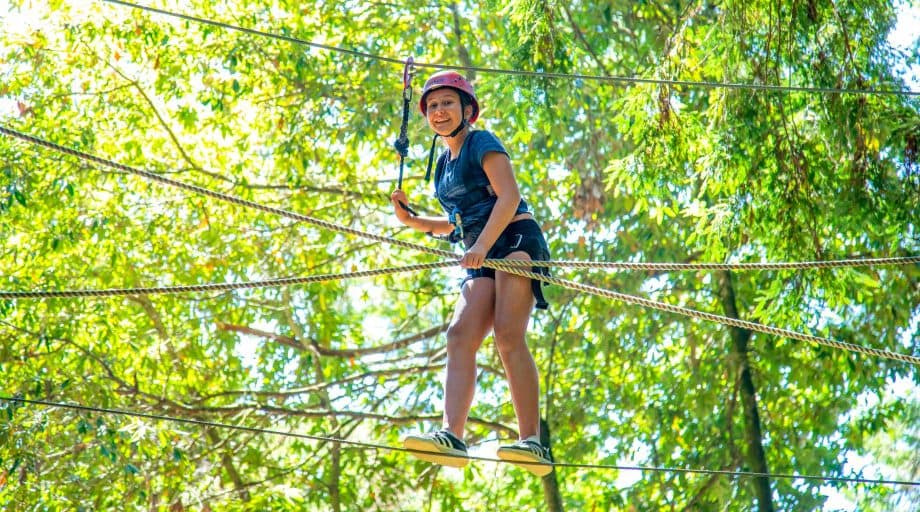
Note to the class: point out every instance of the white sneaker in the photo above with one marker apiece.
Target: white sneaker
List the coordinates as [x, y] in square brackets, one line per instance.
[529, 455]
[441, 447]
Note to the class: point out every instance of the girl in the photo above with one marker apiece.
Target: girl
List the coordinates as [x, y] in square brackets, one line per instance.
[475, 185]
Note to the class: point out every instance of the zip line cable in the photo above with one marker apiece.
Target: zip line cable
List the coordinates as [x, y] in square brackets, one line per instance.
[514, 72]
[381, 447]
[509, 266]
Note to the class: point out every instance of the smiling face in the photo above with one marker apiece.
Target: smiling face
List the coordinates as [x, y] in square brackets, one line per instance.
[445, 111]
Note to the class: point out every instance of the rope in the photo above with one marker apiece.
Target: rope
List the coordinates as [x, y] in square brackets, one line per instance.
[791, 265]
[447, 254]
[287, 281]
[380, 447]
[733, 322]
[533, 74]
[223, 197]
[220, 287]
[509, 266]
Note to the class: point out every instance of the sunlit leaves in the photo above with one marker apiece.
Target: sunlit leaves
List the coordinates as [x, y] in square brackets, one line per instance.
[614, 172]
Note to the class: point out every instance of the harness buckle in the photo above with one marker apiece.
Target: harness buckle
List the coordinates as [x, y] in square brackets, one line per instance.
[457, 221]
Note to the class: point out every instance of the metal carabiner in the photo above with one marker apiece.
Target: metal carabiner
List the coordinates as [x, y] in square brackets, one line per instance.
[408, 73]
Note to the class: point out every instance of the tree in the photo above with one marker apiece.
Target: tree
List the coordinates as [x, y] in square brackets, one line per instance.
[650, 172]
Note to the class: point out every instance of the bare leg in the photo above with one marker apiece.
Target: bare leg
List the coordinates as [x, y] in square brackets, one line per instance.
[471, 323]
[514, 302]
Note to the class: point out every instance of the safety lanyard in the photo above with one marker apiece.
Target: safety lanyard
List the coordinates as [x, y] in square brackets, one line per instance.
[402, 143]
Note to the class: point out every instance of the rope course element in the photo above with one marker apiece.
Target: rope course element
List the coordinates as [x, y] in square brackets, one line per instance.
[508, 266]
[381, 447]
[220, 287]
[733, 322]
[622, 265]
[667, 267]
[322, 278]
[515, 72]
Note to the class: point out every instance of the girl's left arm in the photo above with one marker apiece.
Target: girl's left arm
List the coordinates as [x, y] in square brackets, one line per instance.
[497, 167]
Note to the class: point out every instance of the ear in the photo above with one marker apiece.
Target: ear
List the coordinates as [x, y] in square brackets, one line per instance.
[467, 112]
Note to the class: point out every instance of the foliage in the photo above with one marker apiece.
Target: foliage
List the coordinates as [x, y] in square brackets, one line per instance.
[640, 172]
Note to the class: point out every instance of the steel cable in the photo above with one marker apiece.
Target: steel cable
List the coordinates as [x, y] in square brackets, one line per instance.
[514, 72]
[381, 447]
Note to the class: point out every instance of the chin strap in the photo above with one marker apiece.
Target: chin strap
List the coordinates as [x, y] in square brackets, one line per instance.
[454, 133]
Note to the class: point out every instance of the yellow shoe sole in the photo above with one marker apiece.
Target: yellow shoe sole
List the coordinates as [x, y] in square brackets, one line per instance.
[426, 450]
[516, 457]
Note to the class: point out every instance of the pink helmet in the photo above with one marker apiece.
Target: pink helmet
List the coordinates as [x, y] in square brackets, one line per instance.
[453, 80]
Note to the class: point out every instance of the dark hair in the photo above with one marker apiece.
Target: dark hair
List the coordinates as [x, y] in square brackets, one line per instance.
[465, 99]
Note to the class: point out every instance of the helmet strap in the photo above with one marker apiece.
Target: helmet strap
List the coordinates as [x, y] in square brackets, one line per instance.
[459, 128]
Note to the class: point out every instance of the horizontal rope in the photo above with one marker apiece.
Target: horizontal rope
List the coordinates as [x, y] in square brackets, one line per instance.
[509, 266]
[288, 281]
[219, 287]
[789, 265]
[447, 254]
[380, 447]
[514, 72]
[733, 322]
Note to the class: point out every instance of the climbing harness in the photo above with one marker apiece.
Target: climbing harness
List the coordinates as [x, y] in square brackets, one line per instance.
[476, 191]
[402, 143]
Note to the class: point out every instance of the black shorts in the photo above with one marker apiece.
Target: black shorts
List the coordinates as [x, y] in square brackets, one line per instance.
[523, 235]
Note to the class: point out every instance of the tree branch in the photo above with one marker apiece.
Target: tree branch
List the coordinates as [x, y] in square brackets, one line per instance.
[229, 467]
[322, 385]
[324, 351]
[163, 123]
[584, 41]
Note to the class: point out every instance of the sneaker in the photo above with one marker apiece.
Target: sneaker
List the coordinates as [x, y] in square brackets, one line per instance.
[535, 457]
[441, 447]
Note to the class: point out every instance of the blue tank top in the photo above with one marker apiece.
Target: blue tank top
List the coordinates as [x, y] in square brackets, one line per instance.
[461, 184]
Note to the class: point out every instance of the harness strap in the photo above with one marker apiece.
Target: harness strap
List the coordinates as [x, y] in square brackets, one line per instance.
[457, 220]
[430, 158]
[537, 288]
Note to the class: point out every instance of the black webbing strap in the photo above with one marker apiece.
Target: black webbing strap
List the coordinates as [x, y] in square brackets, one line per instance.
[402, 143]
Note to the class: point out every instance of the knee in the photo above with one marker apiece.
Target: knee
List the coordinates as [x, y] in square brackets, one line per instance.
[508, 337]
[461, 340]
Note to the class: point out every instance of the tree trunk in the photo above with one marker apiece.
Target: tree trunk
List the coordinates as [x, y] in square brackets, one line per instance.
[550, 483]
[227, 460]
[753, 437]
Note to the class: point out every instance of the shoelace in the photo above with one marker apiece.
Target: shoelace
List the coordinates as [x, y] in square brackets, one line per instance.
[532, 447]
[447, 438]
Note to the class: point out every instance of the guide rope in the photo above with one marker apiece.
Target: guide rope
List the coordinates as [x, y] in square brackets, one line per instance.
[510, 266]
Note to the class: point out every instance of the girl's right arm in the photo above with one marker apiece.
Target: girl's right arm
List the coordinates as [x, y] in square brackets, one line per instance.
[433, 225]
